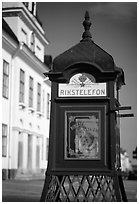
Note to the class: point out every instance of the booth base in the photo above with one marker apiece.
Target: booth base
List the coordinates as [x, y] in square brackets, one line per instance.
[83, 188]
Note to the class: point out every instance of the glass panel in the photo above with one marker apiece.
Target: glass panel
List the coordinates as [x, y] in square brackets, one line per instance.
[48, 106]
[5, 67]
[24, 36]
[4, 140]
[43, 100]
[5, 78]
[39, 97]
[21, 75]
[82, 135]
[22, 86]
[47, 148]
[30, 92]
[21, 92]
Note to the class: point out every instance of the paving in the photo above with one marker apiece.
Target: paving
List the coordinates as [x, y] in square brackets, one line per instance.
[30, 190]
[21, 190]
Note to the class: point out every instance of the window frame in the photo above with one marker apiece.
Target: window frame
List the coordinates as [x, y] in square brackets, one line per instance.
[47, 148]
[32, 42]
[4, 139]
[31, 91]
[38, 97]
[5, 87]
[48, 106]
[22, 86]
[38, 48]
[25, 36]
[43, 101]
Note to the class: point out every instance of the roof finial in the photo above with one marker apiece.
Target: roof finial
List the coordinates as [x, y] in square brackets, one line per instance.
[87, 23]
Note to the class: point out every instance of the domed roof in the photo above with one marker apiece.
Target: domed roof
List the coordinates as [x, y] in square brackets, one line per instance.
[88, 57]
[86, 51]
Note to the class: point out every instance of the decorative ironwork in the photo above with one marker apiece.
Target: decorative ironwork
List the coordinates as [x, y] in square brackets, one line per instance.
[82, 79]
[87, 23]
[87, 188]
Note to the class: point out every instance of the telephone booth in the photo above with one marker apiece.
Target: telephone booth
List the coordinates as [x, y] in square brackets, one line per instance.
[84, 153]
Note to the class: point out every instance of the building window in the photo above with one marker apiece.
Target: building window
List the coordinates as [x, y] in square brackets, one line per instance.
[38, 97]
[38, 48]
[42, 141]
[43, 100]
[22, 86]
[47, 148]
[24, 36]
[30, 91]
[48, 106]
[32, 42]
[4, 140]
[5, 91]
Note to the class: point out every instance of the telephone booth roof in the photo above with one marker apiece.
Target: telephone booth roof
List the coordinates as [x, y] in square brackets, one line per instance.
[86, 52]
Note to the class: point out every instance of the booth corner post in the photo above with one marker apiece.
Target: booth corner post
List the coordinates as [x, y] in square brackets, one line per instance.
[84, 143]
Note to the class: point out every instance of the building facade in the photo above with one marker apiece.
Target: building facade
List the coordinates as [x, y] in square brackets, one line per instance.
[25, 92]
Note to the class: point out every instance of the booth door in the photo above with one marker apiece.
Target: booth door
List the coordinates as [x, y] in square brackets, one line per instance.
[81, 136]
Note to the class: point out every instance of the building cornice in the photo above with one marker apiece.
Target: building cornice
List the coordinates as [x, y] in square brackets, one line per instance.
[24, 52]
[27, 131]
[23, 13]
[7, 41]
[31, 58]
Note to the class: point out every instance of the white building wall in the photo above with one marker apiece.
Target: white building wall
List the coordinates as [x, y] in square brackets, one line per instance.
[33, 155]
[28, 130]
[5, 102]
[13, 150]
[24, 33]
[26, 121]
[11, 4]
[39, 49]
[22, 121]
[14, 23]
[6, 105]
[25, 150]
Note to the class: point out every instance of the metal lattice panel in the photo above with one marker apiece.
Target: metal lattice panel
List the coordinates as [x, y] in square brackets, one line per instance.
[81, 189]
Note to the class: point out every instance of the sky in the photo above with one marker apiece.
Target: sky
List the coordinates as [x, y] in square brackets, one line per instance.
[114, 29]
